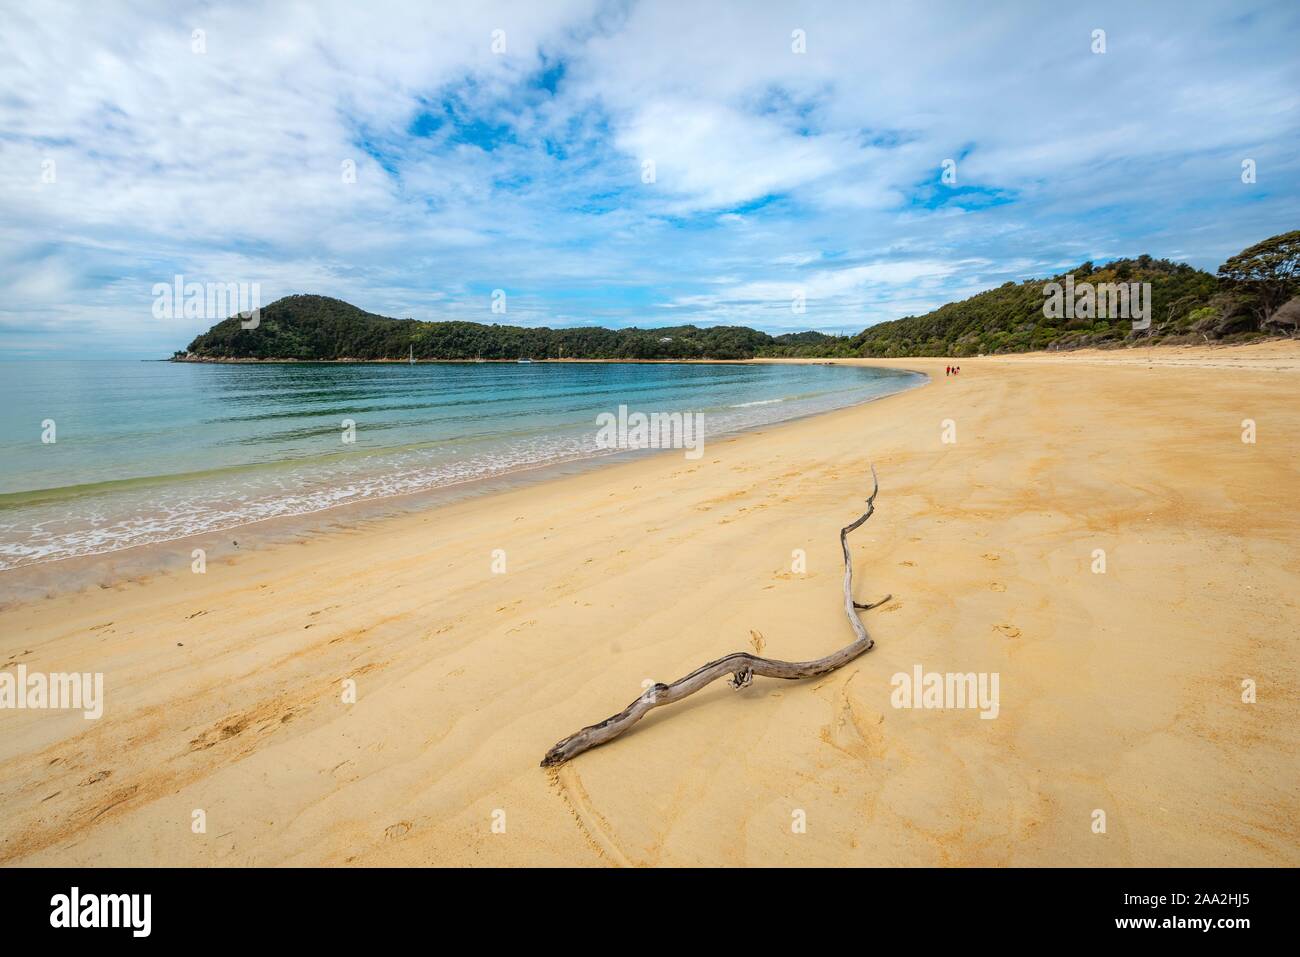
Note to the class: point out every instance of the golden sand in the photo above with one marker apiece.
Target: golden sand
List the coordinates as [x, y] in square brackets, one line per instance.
[1120, 692]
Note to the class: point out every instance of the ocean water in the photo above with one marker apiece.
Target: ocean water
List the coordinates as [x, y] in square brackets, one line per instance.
[154, 451]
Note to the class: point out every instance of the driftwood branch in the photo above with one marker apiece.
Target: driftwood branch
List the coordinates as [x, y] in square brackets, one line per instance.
[742, 666]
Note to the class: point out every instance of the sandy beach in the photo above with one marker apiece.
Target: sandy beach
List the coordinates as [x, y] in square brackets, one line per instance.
[1120, 691]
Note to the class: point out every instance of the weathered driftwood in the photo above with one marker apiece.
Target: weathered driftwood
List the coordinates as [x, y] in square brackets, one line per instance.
[742, 666]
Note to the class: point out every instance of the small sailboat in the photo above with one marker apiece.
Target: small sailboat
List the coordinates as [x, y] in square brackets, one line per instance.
[524, 361]
[411, 356]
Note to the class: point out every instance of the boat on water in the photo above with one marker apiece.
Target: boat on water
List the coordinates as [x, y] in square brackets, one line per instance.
[523, 361]
[411, 356]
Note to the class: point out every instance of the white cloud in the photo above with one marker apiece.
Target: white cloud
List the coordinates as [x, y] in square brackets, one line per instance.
[773, 168]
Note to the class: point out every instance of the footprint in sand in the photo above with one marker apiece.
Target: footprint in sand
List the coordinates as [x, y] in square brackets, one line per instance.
[857, 735]
[1011, 631]
[756, 639]
[395, 831]
[992, 556]
[997, 586]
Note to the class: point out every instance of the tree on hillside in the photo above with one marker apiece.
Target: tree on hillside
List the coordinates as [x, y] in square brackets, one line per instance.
[1267, 273]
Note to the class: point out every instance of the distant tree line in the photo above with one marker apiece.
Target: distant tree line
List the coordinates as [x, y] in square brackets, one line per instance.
[319, 328]
[1254, 294]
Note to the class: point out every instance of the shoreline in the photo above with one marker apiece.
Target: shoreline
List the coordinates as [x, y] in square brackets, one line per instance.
[418, 362]
[1119, 691]
[101, 567]
[1119, 348]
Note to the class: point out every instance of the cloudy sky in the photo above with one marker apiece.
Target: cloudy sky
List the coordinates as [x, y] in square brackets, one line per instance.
[508, 146]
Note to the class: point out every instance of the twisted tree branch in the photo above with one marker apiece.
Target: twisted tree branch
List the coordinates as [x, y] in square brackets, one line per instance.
[742, 666]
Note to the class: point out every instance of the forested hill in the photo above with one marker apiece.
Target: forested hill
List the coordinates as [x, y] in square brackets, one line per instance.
[1010, 318]
[1256, 293]
[317, 328]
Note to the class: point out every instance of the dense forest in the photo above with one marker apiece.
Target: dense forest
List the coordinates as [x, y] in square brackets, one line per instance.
[1253, 295]
[319, 328]
[1010, 318]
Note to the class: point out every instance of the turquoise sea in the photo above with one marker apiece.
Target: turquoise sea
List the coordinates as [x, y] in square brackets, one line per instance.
[154, 451]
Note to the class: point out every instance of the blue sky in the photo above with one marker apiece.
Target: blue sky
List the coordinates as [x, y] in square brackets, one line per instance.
[220, 156]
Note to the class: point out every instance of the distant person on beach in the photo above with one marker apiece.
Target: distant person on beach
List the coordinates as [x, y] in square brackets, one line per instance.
[947, 371]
